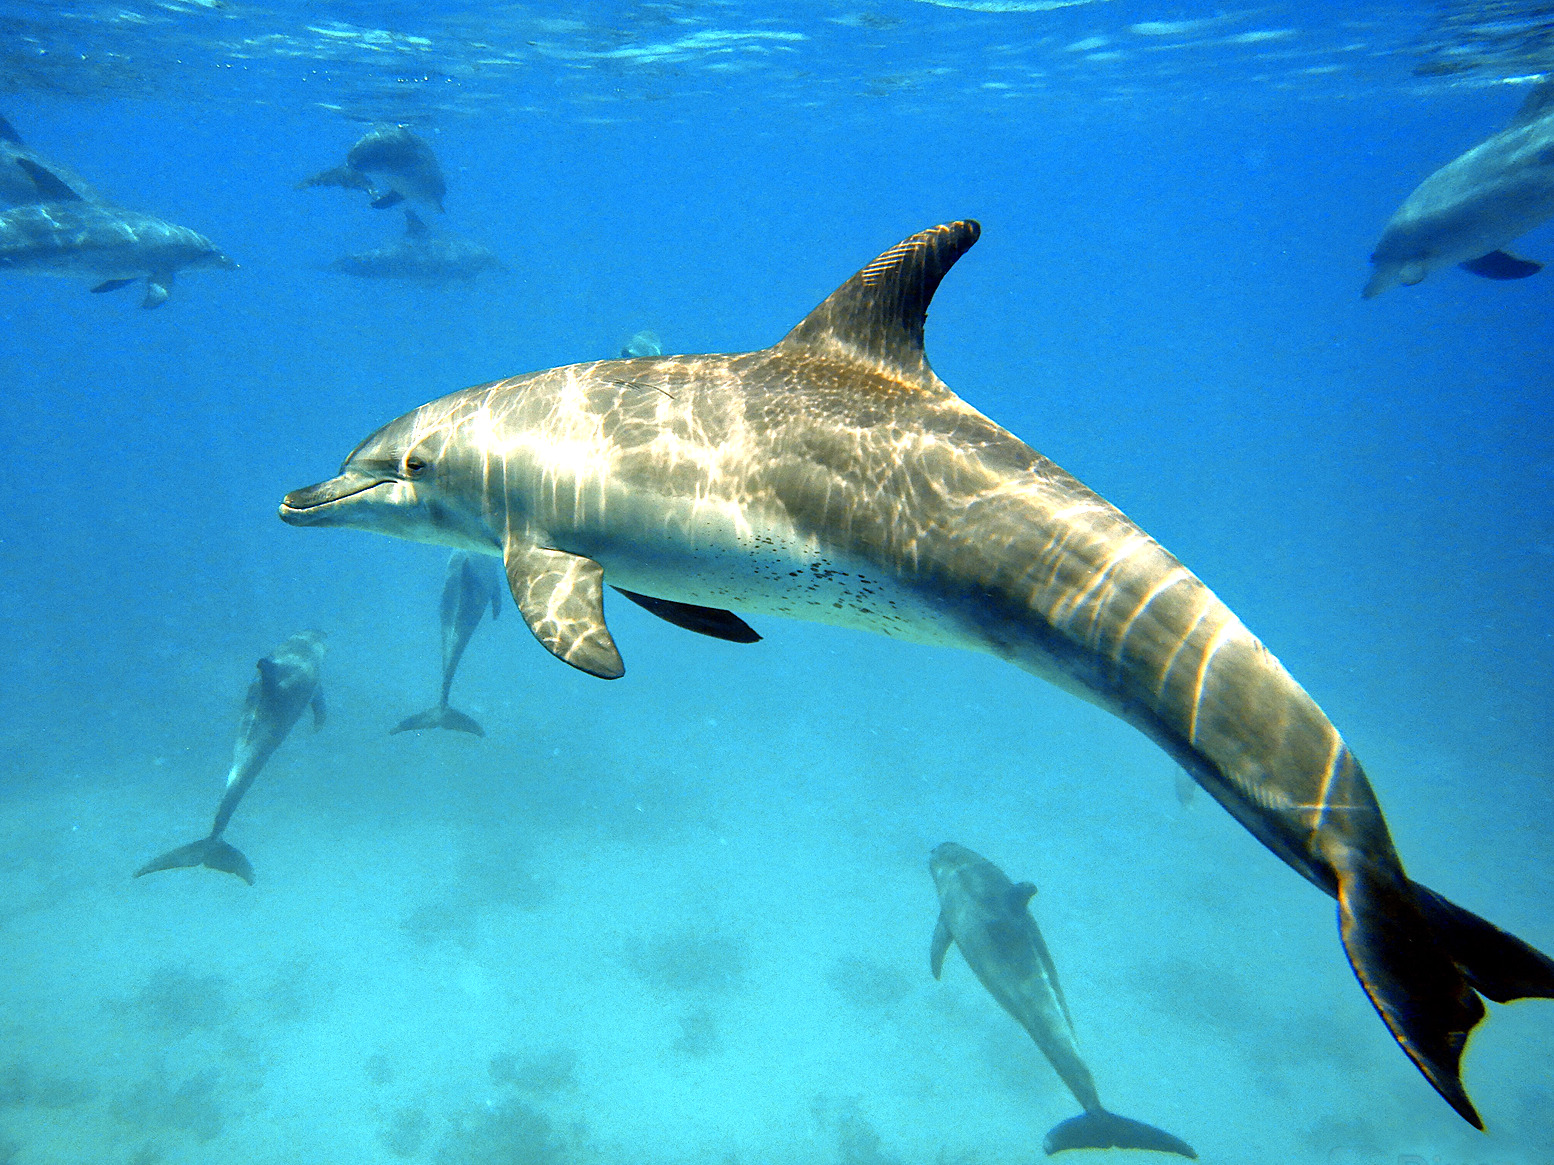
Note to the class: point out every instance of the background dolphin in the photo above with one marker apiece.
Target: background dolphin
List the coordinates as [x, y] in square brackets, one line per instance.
[287, 684]
[472, 583]
[1475, 205]
[989, 919]
[107, 244]
[392, 164]
[834, 477]
[421, 256]
[27, 178]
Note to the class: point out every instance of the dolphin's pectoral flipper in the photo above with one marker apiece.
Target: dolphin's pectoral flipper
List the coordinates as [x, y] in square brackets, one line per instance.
[1100, 1129]
[1411, 978]
[1499, 966]
[709, 621]
[877, 315]
[113, 285]
[1501, 265]
[8, 133]
[157, 290]
[319, 711]
[561, 597]
[942, 938]
[439, 717]
[384, 201]
[50, 187]
[210, 852]
[414, 227]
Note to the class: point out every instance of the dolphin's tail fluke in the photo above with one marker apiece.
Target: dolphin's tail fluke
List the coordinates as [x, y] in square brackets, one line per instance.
[441, 716]
[1100, 1129]
[1424, 962]
[210, 852]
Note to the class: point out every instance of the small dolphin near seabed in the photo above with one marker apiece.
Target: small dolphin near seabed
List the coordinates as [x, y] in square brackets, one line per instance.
[473, 583]
[422, 256]
[26, 178]
[644, 343]
[1471, 208]
[834, 477]
[391, 164]
[287, 684]
[108, 244]
[988, 918]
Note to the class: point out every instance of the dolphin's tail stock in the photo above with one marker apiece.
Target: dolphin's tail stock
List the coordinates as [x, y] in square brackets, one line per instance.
[210, 852]
[1099, 1129]
[1424, 962]
[441, 716]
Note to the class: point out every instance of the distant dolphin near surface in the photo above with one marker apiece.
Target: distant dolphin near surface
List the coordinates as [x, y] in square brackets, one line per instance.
[1474, 206]
[287, 685]
[391, 164]
[644, 343]
[834, 477]
[472, 583]
[421, 256]
[988, 918]
[26, 178]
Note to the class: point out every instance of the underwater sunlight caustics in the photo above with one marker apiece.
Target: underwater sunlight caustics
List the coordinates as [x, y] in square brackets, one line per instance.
[834, 477]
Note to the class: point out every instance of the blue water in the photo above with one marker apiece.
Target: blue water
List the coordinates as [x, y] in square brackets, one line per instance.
[685, 916]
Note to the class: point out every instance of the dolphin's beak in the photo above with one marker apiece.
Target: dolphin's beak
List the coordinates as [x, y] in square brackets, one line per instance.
[320, 505]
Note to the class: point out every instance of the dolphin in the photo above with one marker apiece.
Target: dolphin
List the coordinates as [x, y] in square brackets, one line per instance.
[988, 917]
[644, 343]
[473, 582]
[104, 243]
[286, 685]
[391, 164]
[1474, 206]
[834, 477]
[422, 256]
[26, 178]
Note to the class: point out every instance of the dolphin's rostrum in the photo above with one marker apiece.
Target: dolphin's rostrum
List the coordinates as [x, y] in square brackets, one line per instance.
[287, 684]
[472, 583]
[834, 477]
[988, 917]
[391, 163]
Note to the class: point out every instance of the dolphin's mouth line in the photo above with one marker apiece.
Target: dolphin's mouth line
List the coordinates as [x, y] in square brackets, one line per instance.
[288, 504]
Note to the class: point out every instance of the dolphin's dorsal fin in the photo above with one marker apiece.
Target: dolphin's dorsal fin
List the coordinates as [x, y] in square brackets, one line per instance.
[877, 316]
[1020, 895]
[9, 134]
[1539, 101]
[414, 227]
[49, 185]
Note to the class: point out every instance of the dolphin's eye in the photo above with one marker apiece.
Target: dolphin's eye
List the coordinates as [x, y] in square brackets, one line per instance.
[416, 466]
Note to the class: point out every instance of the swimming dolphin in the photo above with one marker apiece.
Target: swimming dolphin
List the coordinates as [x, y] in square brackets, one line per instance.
[644, 343]
[287, 684]
[109, 244]
[391, 164]
[26, 178]
[834, 477]
[473, 582]
[1474, 206]
[988, 918]
[422, 256]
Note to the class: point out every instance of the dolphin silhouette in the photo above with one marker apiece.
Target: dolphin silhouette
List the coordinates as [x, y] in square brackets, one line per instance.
[472, 583]
[286, 685]
[834, 477]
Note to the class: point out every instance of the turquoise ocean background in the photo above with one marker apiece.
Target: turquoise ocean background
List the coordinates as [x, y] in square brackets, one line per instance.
[684, 917]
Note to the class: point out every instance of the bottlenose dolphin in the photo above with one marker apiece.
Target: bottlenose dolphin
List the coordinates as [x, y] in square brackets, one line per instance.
[108, 244]
[834, 477]
[421, 255]
[473, 582]
[1475, 205]
[391, 164]
[26, 178]
[988, 917]
[287, 683]
[644, 343]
